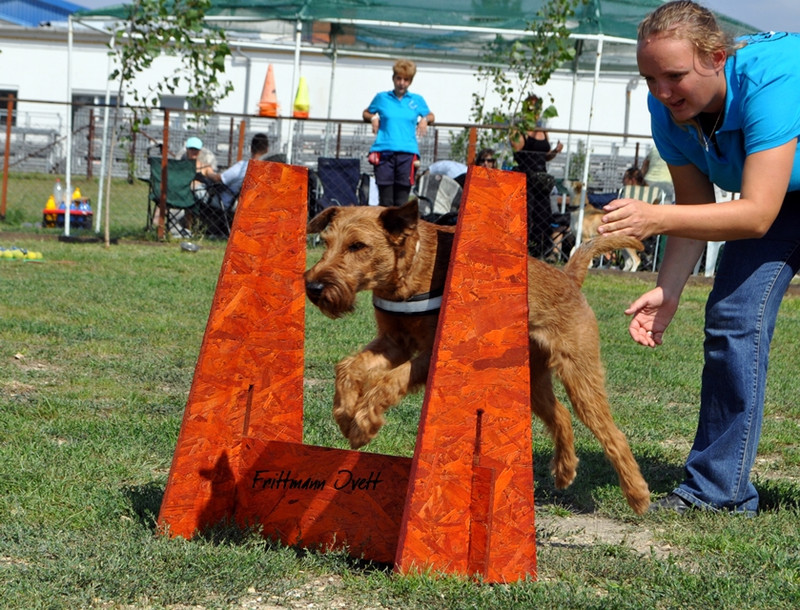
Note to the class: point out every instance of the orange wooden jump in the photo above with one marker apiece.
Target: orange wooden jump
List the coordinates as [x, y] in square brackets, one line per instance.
[464, 503]
[248, 381]
[470, 504]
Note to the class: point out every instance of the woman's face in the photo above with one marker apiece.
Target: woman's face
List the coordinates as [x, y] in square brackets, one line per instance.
[401, 84]
[678, 77]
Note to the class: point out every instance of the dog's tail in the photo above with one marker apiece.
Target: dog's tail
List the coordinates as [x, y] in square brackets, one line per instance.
[578, 263]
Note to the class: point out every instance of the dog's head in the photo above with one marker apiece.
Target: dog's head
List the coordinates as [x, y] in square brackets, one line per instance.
[366, 248]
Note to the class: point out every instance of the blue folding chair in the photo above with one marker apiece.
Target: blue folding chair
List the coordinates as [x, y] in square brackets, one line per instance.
[338, 182]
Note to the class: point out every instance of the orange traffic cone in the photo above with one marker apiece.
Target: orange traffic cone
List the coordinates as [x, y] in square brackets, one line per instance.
[268, 106]
[301, 102]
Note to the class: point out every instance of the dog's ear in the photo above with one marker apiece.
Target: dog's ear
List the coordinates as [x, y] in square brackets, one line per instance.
[321, 220]
[401, 219]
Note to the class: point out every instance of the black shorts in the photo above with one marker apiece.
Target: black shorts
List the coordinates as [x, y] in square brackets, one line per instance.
[395, 168]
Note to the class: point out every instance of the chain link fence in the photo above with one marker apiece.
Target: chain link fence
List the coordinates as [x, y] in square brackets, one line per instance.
[35, 154]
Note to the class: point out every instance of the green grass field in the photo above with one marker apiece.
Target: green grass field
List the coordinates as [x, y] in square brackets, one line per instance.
[97, 351]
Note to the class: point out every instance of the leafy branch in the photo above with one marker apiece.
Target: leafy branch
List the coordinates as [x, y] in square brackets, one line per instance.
[511, 69]
[174, 28]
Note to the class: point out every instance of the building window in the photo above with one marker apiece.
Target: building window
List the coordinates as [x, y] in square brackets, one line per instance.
[4, 95]
[87, 100]
[178, 102]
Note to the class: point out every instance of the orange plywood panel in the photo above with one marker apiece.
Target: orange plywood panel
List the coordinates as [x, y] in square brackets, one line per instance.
[249, 375]
[325, 498]
[470, 505]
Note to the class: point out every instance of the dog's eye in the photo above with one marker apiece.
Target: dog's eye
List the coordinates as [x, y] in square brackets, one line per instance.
[356, 246]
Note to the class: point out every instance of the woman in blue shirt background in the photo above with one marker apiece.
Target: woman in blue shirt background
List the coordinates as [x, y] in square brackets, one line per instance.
[727, 113]
[398, 117]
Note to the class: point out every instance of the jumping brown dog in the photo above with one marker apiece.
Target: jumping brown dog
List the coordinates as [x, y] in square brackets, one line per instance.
[403, 261]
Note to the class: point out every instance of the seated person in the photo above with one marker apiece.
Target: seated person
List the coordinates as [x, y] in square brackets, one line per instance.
[633, 176]
[206, 162]
[452, 169]
[233, 177]
[486, 158]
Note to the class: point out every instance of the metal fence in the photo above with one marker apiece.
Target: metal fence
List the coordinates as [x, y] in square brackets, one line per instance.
[35, 144]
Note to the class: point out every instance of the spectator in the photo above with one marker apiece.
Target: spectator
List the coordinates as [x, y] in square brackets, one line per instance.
[486, 158]
[451, 169]
[204, 159]
[398, 117]
[532, 151]
[656, 173]
[633, 176]
[233, 177]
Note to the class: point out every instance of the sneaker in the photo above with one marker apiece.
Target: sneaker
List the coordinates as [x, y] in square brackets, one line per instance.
[671, 503]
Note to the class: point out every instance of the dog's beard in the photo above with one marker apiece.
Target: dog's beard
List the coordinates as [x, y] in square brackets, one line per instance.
[335, 300]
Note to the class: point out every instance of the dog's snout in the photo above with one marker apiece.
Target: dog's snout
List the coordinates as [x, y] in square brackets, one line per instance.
[314, 288]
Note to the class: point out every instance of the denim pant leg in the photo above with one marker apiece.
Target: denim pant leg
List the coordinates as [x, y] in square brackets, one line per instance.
[748, 289]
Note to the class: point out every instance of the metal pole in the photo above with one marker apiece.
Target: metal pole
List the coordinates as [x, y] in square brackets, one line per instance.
[330, 94]
[587, 161]
[68, 172]
[7, 156]
[104, 152]
[295, 77]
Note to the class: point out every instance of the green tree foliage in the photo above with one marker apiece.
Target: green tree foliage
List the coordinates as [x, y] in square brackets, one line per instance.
[512, 70]
[174, 28]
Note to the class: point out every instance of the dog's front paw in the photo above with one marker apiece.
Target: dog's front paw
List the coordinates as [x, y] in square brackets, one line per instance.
[364, 427]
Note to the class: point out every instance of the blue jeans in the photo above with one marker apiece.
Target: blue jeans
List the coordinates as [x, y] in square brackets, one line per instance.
[752, 278]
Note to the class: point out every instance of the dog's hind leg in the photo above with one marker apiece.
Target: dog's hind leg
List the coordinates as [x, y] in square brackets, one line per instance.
[555, 417]
[583, 377]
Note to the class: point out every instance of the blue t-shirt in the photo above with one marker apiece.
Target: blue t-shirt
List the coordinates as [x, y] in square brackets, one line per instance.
[398, 126]
[762, 111]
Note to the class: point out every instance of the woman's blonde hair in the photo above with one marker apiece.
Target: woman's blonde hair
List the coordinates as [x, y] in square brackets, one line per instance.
[689, 21]
[405, 68]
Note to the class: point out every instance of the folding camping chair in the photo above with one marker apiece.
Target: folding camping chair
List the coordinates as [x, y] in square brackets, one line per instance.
[215, 207]
[339, 183]
[439, 198]
[649, 194]
[180, 200]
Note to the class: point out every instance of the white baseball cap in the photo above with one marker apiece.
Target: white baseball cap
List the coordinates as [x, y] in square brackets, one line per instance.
[194, 142]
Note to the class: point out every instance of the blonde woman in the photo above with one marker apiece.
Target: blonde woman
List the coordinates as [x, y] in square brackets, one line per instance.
[727, 113]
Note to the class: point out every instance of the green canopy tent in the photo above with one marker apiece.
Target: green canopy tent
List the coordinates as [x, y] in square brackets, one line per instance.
[604, 31]
[445, 30]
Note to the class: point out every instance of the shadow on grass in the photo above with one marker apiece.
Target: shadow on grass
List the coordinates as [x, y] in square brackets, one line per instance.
[146, 502]
[778, 495]
[228, 532]
[596, 472]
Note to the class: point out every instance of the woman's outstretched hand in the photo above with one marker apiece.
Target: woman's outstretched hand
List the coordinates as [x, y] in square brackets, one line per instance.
[651, 316]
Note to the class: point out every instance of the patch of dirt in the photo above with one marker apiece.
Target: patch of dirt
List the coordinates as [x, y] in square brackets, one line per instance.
[579, 531]
[31, 365]
[13, 389]
[317, 593]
